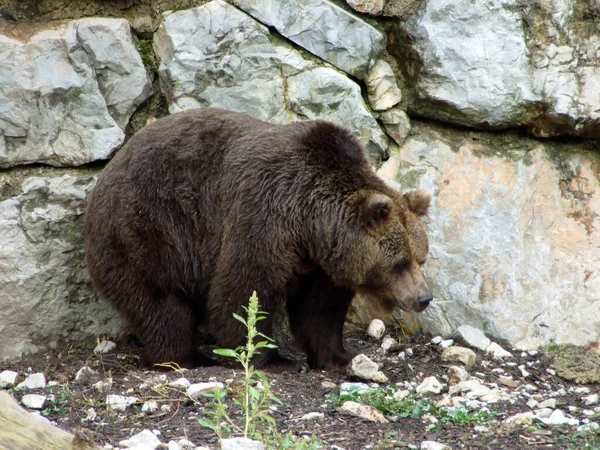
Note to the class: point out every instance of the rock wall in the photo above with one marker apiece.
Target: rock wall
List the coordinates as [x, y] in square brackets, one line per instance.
[515, 216]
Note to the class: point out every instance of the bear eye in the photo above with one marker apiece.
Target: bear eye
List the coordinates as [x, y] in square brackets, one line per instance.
[401, 266]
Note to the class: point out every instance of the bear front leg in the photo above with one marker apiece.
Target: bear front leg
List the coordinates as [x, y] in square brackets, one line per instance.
[317, 311]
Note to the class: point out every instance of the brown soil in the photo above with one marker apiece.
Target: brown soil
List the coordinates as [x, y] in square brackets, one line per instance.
[300, 394]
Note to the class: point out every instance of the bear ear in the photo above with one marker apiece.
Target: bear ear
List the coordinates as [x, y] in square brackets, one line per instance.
[376, 208]
[418, 202]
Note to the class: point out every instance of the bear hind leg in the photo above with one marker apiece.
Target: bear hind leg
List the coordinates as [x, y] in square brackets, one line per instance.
[167, 328]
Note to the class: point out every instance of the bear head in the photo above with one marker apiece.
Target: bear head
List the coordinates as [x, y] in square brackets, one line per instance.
[395, 251]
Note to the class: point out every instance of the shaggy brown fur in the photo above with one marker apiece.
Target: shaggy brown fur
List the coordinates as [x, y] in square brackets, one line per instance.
[202, 207]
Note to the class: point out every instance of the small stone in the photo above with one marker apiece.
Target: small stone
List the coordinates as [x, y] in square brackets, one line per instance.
[508, 381]
[187, 445]
[582, 390]
[460, 354]
[397, 124]
[363, 411]
[498, 352]
[34, 401]
[558, 418]
[472, 386]
[376, 329]
[380, 377]
[312, 416]
[590, 400]
[90, 415]
[473, 337]
[8, 378]
[240, 444]
[362, 367]
[197, 390]
[145, 440]
[180, 382]
[383, 91]
[588, 428]
[104, 387]
[172, 445]
[409, 352]
[328, 385]
[401, 395]
[458, 374]
[521, 419]
[447, 343]
[433, 445]
[104, 347]
[354, 388]
[33, 381]
[372, 7]
[388, 344]
[543, 413]
[429, 387]
[550, 403]
[524, 371]
[532, 403]
[150, 407]
[86, 374]
[551, 372]
[119, 402]
[436, 340]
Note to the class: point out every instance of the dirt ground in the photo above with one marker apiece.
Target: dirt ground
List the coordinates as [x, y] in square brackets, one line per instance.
[300, 394]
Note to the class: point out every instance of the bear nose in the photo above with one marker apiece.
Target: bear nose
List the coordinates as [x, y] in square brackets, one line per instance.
[424, 300]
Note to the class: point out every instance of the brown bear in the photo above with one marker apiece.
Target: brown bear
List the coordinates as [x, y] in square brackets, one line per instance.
[201, 208]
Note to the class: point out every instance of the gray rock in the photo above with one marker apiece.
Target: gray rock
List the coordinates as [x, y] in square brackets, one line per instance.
[41, 231]
[481, 68]
[558, 417]
[180, 382]
[397, 124]
[86, 374]
[231, 62]
[150, 407]
[240, 444]
[145, 440]
[383, 90]
[324, 93]
[473, 337]
[376, 329]
[60, 89]
[520, 419]
[104, 386]
[458, 374]
[588, 427]
[33, 381]
[588, 401]
[328, 31]
[8, 379]
[234, 63]
[498, 352]
[362, 367]
[197, 390]
[433, 445]
[436, 340]
[34, 401]
[388, 344]
[312, 416]
[429, 386]
[447, 343]
[518, 203]
[120, 402]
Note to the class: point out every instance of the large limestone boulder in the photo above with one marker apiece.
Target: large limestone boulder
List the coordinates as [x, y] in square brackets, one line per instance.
[46, 296]
[67, 93]
[216, 55]
[514, 235]
[322, 28]
[505, 64]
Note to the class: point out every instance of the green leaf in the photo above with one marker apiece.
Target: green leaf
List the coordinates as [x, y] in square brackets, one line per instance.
[208, 424]
[226, 352]
[240, 318]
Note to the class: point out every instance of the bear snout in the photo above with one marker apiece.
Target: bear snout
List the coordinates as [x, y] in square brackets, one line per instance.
[423, 301]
